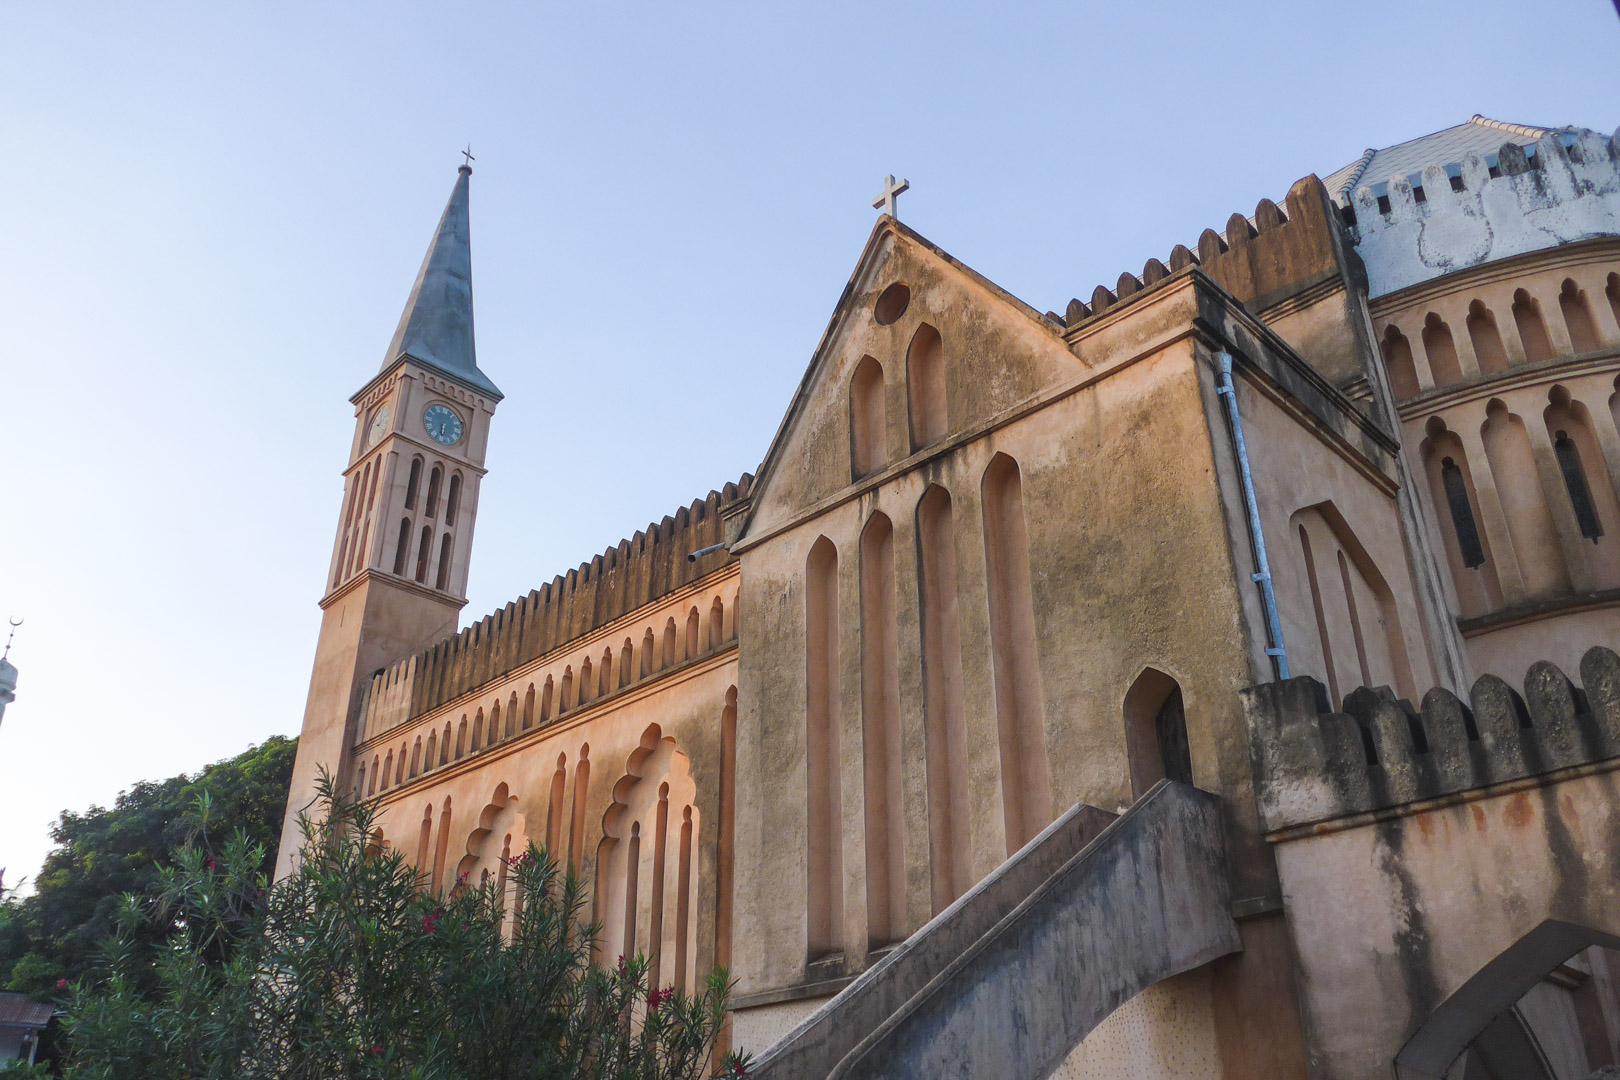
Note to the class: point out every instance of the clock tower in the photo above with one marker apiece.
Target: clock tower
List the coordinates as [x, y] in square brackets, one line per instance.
[398, 576]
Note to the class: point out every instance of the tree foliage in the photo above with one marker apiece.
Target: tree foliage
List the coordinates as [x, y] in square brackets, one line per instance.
[348, 969]
[105, 853]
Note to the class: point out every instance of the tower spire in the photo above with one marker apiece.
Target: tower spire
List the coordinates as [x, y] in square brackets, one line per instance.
[436, 327]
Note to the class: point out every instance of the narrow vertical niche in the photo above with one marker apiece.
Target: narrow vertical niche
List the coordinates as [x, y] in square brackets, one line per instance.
[880, 729]
[443, 849]
[1020, 720]
[925, 387]
[728, 838]
[1321, 614]
[576, 825]
[1532, 330]
[554, 807]
[1486, 339]
[1398, 363]
[1441, 351]
[1524, 503]
[1156, 732]
[867, 423]
[824, 825]
[943, 714]
[1583, 335]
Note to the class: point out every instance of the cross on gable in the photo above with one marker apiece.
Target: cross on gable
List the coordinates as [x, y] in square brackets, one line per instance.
[890, 195]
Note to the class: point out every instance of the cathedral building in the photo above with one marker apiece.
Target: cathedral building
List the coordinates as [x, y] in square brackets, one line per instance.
[1213, 679]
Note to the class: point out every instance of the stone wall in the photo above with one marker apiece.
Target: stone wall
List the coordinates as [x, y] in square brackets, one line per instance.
[1313, 765]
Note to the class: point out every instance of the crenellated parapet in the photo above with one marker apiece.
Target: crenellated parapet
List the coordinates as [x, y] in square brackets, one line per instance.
[634, 572]
[1314, 765]
[1471, 212]
[1260, 259]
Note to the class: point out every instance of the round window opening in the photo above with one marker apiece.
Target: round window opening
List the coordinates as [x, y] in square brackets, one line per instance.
[892, 303]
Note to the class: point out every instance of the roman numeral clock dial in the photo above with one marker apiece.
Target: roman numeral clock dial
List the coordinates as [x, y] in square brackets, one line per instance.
[442, 424]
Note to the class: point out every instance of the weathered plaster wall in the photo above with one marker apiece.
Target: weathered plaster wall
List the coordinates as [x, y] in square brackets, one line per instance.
[1414, 848]
[1167, 1032]
[1394, 917]
[1563, 198]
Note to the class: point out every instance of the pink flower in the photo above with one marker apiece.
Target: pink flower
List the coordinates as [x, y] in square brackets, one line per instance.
[657, 999]
[61, 984]
[376, 1051]
[211, 863]
[621, 963]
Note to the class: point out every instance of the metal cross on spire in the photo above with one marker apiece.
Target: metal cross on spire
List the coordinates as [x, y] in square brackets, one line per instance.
[468, 154]
[890, 195]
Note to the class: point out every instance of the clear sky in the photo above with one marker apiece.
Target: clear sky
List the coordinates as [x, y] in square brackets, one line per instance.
[212, 215]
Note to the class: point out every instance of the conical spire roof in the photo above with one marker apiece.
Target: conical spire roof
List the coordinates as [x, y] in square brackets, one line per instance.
[436, 328]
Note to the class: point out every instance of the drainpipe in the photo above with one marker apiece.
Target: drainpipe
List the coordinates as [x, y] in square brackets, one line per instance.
[1262, 574]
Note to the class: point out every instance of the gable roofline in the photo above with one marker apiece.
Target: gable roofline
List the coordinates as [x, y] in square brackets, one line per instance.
[885, 227]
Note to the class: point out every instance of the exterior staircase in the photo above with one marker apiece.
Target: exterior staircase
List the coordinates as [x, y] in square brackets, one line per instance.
[1007, 980]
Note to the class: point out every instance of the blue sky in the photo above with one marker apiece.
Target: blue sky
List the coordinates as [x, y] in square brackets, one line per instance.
[213, 214]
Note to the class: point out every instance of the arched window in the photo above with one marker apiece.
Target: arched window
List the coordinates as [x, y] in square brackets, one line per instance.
[413, 483]
[1583, 335]
[477, 731]
[692, 644]
[585, 685]
[1441, 351]
[717, 623]
[1156, 732]
[1462, 514]
[428, 759]
[1575, 483]
[360, 782]
[566, 698]
[444, 745]
[443, 581]
[432, 506]
[669, 642]
[925, 387]
[388, 769]
[424, 552]
[867, 426]
[825, 880]
[511, 715]
[1486, 339]
[604, 676]
[545, 700]
[1468, 546]
[1532, 331]
[461, 738]
[582, 790]
[627, 664]
[648, 653]
[1020, 712]
[452, 504]
[880, 729]
[528, 708]
[416, 757]
[1398, 362]
[403, 551]
[495, 723]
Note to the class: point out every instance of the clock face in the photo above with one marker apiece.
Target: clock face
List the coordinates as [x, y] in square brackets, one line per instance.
[379, 426]
[442, 424]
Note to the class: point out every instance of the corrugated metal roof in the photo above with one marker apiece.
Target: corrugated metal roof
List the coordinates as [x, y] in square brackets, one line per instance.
[20, 1010]
[1479, 135]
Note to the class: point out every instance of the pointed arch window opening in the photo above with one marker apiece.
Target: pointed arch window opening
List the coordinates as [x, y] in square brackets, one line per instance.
[1462, 515]
[431, 508]
[413, 483]
[1580, 496]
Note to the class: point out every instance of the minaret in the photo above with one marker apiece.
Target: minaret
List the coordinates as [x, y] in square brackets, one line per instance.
[398, 576]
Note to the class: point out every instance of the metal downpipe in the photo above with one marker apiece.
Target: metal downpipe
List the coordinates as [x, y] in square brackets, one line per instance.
[1257, 537]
